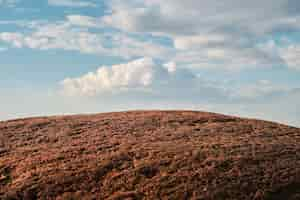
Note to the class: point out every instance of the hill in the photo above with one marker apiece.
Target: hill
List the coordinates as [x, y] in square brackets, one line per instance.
[148, 155]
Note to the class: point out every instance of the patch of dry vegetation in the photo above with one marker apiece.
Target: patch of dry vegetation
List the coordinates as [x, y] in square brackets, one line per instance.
[148, 155]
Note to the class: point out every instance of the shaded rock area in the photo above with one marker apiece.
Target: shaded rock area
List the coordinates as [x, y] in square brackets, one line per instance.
[148, 155]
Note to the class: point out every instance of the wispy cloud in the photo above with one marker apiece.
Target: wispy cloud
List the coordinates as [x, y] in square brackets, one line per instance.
[291, 54]
[85, 21]
[73, 34]
[8, 3]
[71, 3]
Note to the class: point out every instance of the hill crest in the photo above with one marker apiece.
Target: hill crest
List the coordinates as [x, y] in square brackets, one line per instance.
[148, 155]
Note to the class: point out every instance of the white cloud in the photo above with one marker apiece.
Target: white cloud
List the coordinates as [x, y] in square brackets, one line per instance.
[262, 99]
[81, 20]
[162, 16]
[136, 74]
[8, 3]
[171, 67]
[211, 33]
[198, 41]
[291, 55]
[128, 47]
[287, 51]
[55, 38]
[15, 38]
[224, 36]
[145, 79]
[224, 58]
[73, 34]
[71, 3]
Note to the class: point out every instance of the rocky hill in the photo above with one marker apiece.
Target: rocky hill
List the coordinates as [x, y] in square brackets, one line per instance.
[148, 155]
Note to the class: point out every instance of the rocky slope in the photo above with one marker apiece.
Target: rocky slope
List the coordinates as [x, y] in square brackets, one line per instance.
[148, 155]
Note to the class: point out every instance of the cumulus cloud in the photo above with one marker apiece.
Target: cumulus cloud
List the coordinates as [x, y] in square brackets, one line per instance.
[162, 16]
[140, 73]
[142, 78]
[71, 3]
[225, 35]
[146, 84]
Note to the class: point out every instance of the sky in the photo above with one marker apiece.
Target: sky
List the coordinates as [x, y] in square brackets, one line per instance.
[234, 57]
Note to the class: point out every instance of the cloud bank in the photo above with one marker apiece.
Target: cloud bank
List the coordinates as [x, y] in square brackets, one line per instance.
[225, 34]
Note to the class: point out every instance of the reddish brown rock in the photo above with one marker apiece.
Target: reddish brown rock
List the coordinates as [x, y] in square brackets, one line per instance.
[148, 155]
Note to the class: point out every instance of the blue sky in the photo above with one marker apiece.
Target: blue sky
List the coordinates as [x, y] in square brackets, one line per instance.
[75, 56]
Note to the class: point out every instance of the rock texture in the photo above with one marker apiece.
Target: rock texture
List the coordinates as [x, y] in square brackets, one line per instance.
[148, 155]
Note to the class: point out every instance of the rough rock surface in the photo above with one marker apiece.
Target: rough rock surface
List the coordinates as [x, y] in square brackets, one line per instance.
[148, 155]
